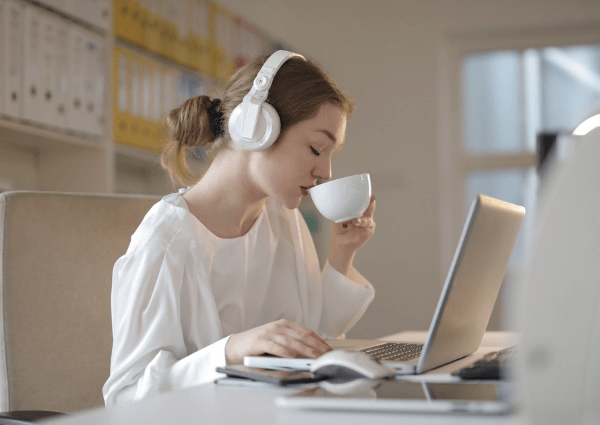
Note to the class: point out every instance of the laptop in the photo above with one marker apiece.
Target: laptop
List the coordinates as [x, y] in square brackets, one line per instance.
[465, 305]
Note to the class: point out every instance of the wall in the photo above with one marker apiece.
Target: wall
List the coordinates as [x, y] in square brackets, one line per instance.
[385, 53]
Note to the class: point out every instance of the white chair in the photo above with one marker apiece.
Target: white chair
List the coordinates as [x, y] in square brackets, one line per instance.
[57, 251]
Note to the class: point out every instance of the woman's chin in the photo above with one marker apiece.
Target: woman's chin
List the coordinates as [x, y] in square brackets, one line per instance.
[290, 203]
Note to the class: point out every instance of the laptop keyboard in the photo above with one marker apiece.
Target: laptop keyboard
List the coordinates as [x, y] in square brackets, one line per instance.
[394, 351]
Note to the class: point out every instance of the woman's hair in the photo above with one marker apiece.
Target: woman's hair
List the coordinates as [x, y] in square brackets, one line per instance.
[299, 90]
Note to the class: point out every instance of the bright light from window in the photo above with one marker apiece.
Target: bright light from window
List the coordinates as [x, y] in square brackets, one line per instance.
[587, 126]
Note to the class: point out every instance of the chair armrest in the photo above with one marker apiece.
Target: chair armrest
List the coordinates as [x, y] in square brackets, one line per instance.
[26, 416]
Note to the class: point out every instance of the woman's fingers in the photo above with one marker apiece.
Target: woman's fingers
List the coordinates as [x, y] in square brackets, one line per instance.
[305, 335]
[370, 208]
[297, 338]
[281, 338]
[287, 346]
[366, 222]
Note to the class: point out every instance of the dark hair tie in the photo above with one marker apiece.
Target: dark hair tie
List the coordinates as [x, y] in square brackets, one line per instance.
[215, 117]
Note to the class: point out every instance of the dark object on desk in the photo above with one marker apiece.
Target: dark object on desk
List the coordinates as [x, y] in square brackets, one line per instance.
[278, 377]
[493, 365]
[26, 416]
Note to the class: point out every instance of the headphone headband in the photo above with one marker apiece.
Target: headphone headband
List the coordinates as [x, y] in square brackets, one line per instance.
[253, 101]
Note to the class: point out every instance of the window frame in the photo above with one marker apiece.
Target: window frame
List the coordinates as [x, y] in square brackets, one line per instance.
[454, 162]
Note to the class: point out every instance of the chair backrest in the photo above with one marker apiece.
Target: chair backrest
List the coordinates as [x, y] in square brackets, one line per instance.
[57, 252]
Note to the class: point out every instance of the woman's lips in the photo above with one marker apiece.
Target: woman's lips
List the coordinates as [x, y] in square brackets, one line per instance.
[305, 190]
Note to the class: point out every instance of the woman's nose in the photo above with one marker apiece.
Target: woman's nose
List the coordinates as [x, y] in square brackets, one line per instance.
[323, 171]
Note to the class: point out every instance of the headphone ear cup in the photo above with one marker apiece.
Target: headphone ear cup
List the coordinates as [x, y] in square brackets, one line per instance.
[266, 132]
[272, 131]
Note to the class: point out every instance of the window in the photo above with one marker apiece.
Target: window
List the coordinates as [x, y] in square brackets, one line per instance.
[509, 98]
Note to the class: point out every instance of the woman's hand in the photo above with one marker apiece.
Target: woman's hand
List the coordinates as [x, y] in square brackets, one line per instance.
[347, 237]
[281, 338]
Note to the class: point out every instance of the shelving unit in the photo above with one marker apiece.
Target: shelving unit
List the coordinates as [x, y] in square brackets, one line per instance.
[34, 156]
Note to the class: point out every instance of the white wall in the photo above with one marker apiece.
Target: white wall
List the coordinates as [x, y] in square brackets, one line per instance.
[385, 53]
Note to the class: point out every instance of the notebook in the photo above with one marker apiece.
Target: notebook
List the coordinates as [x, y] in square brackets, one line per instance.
[465, 305]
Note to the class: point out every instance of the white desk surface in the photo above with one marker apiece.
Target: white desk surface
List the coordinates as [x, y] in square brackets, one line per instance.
[221, 404]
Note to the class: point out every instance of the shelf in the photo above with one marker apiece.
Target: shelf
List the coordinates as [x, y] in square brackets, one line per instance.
[75, 19]
[36, 136]
[136, 154]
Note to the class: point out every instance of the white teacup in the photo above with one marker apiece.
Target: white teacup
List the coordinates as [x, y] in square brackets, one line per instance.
[343, 199]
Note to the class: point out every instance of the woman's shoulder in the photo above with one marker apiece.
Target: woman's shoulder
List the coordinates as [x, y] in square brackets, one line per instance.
[166, 220]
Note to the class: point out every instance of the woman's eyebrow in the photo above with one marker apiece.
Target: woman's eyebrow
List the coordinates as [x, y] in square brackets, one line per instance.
[328, 134]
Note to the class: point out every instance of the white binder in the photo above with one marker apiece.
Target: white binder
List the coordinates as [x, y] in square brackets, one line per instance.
[102, 11]
[170, 90]
[76, 75]
[48, 72]
[89, 81]
[63, 104]
[12, 60]
[99, 62]
[32, 94]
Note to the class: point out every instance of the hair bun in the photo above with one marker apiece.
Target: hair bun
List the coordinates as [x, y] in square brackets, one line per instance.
[215, 117]
[189, 124]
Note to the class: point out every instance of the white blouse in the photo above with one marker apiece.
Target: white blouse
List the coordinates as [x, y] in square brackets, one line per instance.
[179, 292]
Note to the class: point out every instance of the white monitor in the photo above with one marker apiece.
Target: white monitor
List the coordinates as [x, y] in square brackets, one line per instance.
[559, 296]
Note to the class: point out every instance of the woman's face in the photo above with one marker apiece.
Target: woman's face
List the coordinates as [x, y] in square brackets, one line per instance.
[302, 155]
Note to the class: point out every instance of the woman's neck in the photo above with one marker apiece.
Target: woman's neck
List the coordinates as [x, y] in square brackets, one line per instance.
[224, 200]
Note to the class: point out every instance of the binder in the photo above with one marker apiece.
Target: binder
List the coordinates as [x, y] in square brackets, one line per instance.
[127, 21]
[144, 7]
[158, 120]
[169, 29]
[102, 16]
[138, 18]
[99, 87]
[181, 16]
[94, 12]
[89, 75]
[134, 135]
[145, 107]
[153, 16]
[49, 70]
[171, 90]
[201, 58]
[62, 105]
[120, 18]
[32, 96]
[121, 97]
[13, 60]
[76, 57]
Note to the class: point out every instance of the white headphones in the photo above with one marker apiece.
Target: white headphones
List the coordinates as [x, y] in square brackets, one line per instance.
[254, 124]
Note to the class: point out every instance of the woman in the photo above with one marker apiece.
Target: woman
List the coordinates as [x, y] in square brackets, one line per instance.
[227, 267]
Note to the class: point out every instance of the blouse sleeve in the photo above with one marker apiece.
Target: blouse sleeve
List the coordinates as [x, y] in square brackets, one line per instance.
[345, 299]
[150, 354]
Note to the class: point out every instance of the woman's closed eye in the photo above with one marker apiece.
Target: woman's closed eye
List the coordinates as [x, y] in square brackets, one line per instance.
[316, 152]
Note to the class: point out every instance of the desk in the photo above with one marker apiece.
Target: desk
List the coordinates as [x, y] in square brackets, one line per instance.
[215, 404]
